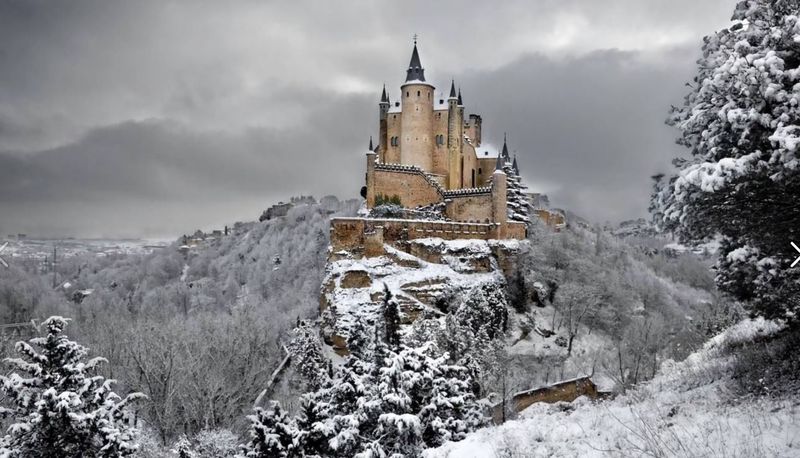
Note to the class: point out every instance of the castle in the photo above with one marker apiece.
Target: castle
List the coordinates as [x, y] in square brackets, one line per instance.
[433, 134]
[430, 153]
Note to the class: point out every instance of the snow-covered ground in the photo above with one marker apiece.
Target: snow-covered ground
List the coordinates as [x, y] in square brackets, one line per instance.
[686, 410]
[415, 275]
[42, 248]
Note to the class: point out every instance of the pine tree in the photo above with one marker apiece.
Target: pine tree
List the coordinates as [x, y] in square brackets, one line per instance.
[358, 338]
[307, 357]
[741, 124]
[183, 448]
[519, 206]
[313, 434]
[58, 407]
[391, 319]
[272, 434]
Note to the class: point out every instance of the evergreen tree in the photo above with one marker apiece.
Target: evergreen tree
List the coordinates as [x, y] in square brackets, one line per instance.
[313, 434]
[484, 310]
[391, 319]
[306, 352]
[183, 448]
[741, 123]
[58, 407]
[272, 434]
[358, 338]
[518, 204]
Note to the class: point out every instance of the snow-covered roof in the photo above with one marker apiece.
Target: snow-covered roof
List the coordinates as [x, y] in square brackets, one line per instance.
[417, 82]
[440, 104]
[486, 151]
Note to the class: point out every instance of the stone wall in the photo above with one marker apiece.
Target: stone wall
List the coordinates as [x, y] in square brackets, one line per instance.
[413, 188]
[469, 207]
[552, 219]
[353, 234]
[567, 391]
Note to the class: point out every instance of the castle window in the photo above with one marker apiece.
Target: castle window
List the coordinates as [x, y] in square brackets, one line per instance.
[480, 171]
[418, 94]
[406, 93]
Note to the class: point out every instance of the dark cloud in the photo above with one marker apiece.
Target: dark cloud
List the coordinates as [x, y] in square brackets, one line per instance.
[156, 117]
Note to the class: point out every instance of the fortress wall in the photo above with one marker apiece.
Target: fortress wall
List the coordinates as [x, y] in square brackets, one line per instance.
[477, 207]
[412, 187]
[550, 218]
[515, 230]
[352, 234]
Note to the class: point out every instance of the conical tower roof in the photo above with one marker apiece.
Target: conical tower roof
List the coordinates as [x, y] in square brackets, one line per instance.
[415, 70]
[384, 97]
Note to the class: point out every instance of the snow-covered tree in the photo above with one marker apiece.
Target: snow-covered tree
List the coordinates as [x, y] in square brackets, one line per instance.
[391, 319]
[518, 204]
[484, 310]
[313, 433]
[307, 358]
[272, 434]
[183, 448]
[741, 123]
[58, 407]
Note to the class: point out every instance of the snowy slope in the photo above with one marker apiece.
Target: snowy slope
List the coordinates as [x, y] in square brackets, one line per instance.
[687, 410]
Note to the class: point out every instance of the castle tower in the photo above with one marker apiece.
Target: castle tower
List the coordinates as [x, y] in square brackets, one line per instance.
[383, 113]
[416, 138]
[499, 195]
[455, 137]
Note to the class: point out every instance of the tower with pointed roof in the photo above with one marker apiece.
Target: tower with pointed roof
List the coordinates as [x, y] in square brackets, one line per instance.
[425, 130]
[416, 98]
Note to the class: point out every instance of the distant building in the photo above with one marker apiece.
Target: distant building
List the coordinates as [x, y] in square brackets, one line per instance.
[539, 200]
[279, 209]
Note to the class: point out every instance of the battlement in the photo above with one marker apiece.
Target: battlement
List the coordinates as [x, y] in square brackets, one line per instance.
[369, 234]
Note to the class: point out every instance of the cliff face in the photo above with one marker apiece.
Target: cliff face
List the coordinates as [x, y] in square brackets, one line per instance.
[419, 274]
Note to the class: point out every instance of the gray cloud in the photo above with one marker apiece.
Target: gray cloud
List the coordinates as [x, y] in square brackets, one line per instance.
[126, 118]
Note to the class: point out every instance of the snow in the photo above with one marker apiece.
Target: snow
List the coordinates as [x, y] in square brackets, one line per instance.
[418, 276]
[685, 411]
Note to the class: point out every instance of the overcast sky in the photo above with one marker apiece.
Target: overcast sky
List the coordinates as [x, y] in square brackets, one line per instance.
[139, 118]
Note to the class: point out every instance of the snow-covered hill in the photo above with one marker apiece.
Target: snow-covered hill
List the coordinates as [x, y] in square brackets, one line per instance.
[688, 409]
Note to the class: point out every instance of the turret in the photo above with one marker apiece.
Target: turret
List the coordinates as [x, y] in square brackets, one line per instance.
[499, 195]
[383, 141]
[455, 138]
[416, 139]
[474, 130]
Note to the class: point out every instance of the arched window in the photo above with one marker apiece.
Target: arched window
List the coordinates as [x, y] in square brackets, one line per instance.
[406, 93]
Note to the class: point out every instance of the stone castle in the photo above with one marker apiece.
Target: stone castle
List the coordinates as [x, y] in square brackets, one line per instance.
[429, 154]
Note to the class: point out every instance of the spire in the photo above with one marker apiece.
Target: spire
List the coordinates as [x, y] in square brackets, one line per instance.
[452, 89]
[415, 70]
[505, 147]
[514, 166]
[370, 143]
[498, 167]
[459, 97]
[384, 97]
